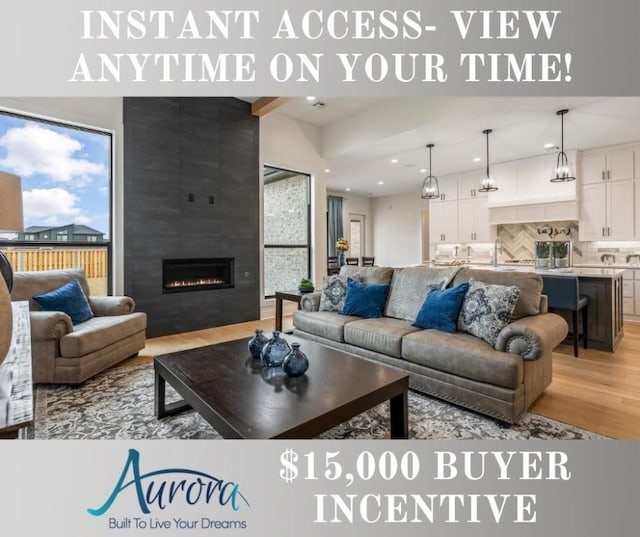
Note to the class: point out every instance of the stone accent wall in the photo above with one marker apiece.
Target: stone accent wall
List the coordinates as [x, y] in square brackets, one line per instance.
[191, 190]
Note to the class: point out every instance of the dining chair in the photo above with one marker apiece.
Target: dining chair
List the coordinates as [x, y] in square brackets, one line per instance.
[368, 261]
[352, 261]
[332, 265]
[563, 293]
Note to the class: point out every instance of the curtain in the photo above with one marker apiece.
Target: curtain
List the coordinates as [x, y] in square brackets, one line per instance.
[335, 223]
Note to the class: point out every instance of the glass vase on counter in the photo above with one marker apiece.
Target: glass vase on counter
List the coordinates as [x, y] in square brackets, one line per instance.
[543, 254]
[561, 254]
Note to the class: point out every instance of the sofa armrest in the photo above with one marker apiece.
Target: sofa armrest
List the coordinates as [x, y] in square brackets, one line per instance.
[311, 301]
[531, 336]
[48, 325]
[107, 306]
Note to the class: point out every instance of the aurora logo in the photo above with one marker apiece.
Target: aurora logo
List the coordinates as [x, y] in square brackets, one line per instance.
[165, 487]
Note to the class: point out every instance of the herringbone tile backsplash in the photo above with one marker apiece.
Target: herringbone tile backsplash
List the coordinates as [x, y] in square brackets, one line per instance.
[518, 240]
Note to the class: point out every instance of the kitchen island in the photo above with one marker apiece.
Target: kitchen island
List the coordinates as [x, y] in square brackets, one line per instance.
[604, 287]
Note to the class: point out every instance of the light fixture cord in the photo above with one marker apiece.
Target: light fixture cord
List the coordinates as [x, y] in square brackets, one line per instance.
[487, 155]
[429, 163]
[562, 133]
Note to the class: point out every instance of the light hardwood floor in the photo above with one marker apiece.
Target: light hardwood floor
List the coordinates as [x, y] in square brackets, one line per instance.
[598, 391]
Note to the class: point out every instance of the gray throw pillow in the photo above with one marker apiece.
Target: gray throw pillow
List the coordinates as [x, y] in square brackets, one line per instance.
[334, 289]
[487, 309]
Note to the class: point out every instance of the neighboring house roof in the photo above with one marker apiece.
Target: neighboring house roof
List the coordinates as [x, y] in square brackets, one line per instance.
[77, 229]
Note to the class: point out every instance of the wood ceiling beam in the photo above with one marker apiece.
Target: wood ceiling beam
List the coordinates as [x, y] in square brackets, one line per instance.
[264, 105]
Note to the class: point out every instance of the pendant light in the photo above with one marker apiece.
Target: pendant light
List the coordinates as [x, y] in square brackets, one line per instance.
[562, 172]
[430, 187]
[488, 183]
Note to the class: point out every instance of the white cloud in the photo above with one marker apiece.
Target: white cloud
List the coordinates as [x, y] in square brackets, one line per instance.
[37, 150]
[52, 206]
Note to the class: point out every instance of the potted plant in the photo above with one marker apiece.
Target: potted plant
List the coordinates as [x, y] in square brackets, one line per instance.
[306, 286]
[560, 254]
[543, 250]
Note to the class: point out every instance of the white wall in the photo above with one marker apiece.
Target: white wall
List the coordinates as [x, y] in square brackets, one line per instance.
[296, 145]
[397, 229]
[102, 113]
[357, 205]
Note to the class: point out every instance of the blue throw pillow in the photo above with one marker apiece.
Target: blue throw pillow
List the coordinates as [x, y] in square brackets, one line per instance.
[69, 299]
[364, 299]
[441, 308]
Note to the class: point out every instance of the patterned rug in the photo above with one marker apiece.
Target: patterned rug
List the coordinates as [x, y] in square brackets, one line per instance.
[118, 404]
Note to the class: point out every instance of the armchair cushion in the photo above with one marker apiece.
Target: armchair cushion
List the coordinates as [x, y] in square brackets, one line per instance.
[68, 298]
[100, 332]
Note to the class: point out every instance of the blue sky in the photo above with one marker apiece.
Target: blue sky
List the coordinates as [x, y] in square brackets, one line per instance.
[64, 171]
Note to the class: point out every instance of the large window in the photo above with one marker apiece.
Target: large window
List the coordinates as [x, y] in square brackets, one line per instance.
[66, 188]
[287, 251]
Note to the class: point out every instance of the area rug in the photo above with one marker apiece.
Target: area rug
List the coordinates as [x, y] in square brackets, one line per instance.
[118, 404]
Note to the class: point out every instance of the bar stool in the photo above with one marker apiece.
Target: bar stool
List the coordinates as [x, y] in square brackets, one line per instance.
[332, 265]
[563, 293]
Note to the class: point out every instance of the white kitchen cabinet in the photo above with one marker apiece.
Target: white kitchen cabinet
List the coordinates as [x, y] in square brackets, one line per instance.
[607, 211]
[473, 220]
[448, 188]
[628, 288]
[628, 306]
[614, 165]
[637, 204]
[468, 185]
[443, 221]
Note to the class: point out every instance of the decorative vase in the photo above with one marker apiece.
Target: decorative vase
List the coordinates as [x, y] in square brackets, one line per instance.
[543, 262]
[307, 289]
[341, 259]
[256, 344]
[274, 352]
[296, 362]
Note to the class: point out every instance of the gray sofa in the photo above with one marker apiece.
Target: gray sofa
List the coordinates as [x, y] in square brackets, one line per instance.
[70, 354]
[501, 381]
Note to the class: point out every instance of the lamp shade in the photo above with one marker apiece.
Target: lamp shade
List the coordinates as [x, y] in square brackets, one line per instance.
[11, 218]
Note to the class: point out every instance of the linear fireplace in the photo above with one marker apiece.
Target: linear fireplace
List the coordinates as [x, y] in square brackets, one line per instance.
[182, 275]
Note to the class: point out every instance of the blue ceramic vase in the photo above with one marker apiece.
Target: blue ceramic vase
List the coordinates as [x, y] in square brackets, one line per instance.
[256, 344]
[296, 362]
[275, 350]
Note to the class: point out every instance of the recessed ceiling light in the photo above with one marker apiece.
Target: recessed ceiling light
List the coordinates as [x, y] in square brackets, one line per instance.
[394, 161]
[549, 146]
[311, 98]
[476, 159]
[327, 170]
[381, 182]
[423, 170]
[348, 189]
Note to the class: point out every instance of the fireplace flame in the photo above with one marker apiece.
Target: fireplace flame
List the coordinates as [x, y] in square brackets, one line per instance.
[195, 282]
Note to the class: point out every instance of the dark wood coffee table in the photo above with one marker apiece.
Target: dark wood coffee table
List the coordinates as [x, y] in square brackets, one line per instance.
[242, 399]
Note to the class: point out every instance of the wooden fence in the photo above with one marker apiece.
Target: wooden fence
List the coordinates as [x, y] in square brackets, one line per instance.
[92, 260]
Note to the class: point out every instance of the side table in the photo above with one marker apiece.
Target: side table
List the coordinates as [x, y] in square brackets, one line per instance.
[16, 385]
[293, 296]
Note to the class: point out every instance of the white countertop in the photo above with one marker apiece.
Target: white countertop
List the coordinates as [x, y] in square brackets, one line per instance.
[596, 271]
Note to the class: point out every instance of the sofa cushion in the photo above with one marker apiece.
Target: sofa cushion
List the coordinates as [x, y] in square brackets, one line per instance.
[326, 324]
[441, 309]
[368, 274]
[463, 355]
[411, 285]
[99, 332]
[334, 289]
[365, 299]
[529, 283]
[383, 335]
[68, 298]
[487, 309]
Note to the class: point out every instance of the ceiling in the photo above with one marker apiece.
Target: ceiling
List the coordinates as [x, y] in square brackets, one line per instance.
[361, 136]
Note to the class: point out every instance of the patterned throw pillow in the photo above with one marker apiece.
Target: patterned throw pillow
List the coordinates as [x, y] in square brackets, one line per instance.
[334, 289]
[487, 309]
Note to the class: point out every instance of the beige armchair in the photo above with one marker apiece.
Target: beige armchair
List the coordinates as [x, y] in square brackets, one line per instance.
[6, 320]
[64, 353]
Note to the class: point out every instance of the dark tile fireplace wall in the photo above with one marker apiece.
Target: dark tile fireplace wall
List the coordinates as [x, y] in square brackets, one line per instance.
[191, 191]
